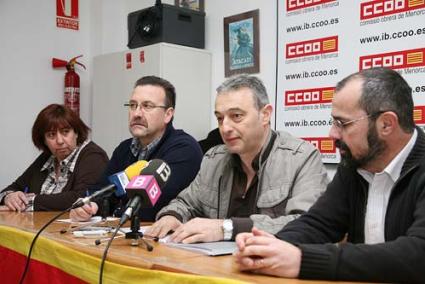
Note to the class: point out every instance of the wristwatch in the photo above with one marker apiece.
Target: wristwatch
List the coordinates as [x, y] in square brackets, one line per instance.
[227, 229]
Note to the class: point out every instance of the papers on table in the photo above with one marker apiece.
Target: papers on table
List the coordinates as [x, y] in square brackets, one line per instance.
[86, 229]
[93, 220]
[95, 227]
[213, 248]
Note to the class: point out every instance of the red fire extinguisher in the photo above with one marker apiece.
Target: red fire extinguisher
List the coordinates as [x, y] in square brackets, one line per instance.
[72, 82]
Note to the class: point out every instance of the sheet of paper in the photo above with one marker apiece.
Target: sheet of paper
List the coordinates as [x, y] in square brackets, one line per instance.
[212, 248]
[94, 219]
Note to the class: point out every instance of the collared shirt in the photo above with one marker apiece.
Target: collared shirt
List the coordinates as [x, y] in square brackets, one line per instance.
[242, 199]
[380, 187]
[140, 151]
[53, 184]
[242, 203]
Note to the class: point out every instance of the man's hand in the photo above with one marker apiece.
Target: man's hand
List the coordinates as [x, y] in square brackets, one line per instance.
[17, 201]
[83, 213]
[163, 226]
[198, 230]
[243, 237]
[263, 253]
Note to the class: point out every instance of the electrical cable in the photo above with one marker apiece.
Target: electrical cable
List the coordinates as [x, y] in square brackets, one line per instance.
[27, 263]
[105, 252]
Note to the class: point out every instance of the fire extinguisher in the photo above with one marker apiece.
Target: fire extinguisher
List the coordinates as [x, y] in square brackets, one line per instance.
[72, 82]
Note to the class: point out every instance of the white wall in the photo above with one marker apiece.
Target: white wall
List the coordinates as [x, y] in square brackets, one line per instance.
[29, 39]
[116, 38]
[215, 12]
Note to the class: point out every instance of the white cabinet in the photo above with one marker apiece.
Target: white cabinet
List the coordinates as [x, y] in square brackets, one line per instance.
[188, 69]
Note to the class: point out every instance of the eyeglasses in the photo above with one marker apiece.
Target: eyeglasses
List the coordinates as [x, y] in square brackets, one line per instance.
[341, 125]
[145, 106]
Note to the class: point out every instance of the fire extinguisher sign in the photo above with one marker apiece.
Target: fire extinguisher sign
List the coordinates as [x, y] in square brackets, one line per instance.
[67, 14]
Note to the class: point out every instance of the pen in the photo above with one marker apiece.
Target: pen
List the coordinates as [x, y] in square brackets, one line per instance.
[30, 197]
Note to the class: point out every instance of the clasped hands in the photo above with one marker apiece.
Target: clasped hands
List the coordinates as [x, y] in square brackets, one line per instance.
[263, 253]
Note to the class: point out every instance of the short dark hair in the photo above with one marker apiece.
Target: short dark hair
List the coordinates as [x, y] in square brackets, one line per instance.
[54, 117]
[170, 91]
[384, 89]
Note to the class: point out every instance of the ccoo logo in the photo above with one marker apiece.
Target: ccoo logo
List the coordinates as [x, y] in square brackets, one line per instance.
[394, 60]
[378, 8]
[312, 47]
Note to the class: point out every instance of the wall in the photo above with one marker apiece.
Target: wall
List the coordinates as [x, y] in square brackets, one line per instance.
[215, 41]
[215, 12]
[29, 40]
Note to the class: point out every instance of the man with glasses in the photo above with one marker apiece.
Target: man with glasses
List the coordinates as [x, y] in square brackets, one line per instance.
[260, 177]
[376, 199]
[151, 111]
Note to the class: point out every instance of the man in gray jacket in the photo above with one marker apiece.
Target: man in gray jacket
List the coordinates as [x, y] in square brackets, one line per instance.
[259, 178]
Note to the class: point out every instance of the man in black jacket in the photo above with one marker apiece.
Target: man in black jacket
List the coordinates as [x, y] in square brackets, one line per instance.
[376, 199]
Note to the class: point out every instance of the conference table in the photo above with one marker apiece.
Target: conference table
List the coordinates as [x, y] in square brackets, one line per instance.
[63, 258]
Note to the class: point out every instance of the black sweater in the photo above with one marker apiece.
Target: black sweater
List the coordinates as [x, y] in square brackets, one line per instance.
[177, 148]
[341, 210]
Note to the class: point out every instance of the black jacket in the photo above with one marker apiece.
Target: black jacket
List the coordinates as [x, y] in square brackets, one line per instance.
[341, 210]
[84, 176]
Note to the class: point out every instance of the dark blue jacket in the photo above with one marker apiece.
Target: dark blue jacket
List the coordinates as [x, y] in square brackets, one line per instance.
[178, 149]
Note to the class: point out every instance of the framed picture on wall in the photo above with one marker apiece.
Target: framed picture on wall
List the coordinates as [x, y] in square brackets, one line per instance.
[197, 5]
[241, 43]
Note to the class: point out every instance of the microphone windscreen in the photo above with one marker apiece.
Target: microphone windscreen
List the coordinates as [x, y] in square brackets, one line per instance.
[135, 169]
[159, 169]
[146, 187]
[121, 179]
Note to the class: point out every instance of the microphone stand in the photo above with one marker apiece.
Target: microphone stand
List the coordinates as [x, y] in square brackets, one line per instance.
[135, 235]
[105, 209]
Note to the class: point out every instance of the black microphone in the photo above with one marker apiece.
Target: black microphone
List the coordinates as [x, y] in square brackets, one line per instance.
[145, 189]
[98, 193]
[118, 182]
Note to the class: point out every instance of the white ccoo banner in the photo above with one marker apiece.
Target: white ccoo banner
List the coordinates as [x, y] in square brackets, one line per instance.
[322, 41]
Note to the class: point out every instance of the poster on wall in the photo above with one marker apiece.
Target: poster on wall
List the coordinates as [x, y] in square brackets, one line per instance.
[322, 41]
[67, 14]
[241, 43]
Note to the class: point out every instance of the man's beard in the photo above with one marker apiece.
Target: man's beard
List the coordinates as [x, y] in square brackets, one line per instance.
[376, 147]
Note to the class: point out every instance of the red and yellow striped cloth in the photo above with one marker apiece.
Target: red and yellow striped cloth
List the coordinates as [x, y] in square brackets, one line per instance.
[53, 262]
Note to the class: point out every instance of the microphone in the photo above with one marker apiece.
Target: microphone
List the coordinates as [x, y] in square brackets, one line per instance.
[87, 199]
[145, 189]
[121, 179]
[118, 182]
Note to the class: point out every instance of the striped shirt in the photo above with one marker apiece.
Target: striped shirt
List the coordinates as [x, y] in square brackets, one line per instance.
[53, 184]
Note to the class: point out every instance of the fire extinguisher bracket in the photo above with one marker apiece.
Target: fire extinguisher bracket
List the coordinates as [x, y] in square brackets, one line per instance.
[71, 82]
